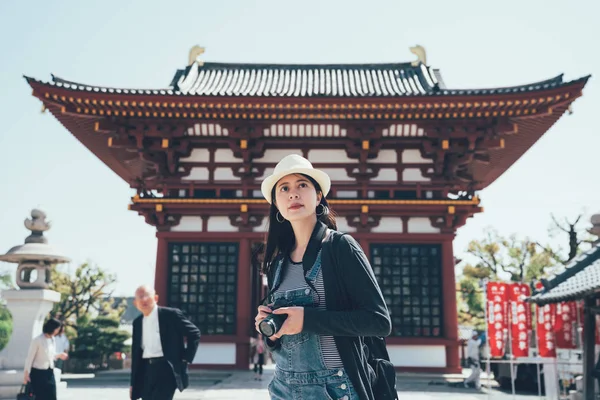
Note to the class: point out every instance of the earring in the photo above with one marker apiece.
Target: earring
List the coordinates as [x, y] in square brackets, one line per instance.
[323, 210]
[277, 218]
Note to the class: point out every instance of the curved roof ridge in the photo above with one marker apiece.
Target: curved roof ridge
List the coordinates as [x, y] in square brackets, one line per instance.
[550, 81]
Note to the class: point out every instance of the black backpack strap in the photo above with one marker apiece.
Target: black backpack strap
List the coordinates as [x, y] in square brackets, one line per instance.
[374, 347]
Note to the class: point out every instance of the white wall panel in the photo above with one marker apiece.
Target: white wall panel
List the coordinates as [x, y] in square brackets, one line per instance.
[197, 174]
[197, 155]
[432, 356]
[421, 225]
[188, 223]
[220, 224]
[389, 225]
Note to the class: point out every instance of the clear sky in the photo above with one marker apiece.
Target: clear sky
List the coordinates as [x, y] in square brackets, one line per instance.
[141, 44]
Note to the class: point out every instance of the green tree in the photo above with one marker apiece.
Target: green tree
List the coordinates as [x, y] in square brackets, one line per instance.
[520, 260]
[498, 258]
[98, 338]
[86, 291]
[577, 239]
[6, 326]
[470, 296]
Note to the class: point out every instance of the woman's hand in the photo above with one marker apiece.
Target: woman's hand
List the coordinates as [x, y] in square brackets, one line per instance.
[26, 378]
[294, 322]
[62, 356]
[263, 312]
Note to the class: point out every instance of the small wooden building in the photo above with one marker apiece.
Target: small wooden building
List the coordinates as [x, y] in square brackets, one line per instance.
[580, 282]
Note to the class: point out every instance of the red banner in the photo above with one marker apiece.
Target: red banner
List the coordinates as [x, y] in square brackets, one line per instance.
[565, 325]
[546, 317]
[497, 299]
[520, 314]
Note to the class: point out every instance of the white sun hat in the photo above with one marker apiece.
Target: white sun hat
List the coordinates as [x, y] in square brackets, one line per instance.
[294, 164]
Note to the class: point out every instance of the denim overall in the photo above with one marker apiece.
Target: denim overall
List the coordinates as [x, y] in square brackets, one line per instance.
[300, 372]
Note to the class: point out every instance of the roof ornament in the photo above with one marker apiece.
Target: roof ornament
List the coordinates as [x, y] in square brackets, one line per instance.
[37, 223]
[595, 229]
[419, 51]
[195, 53]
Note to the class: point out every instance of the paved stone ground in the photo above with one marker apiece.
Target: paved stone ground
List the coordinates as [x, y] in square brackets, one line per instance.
[221, 385]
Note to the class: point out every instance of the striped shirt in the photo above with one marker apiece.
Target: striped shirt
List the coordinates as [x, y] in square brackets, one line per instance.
[292, 278]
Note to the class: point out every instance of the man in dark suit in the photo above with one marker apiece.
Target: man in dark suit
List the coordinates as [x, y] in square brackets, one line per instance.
[159, 354]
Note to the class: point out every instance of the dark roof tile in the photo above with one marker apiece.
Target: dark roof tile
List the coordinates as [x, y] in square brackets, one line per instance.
[580, 278]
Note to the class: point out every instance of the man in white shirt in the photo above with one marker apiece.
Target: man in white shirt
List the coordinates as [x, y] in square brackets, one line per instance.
[159, 355]
[473, 360]
[62, 346]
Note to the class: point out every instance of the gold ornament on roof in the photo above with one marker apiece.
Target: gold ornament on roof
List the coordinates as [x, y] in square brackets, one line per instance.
[419, 51]
[196, 52]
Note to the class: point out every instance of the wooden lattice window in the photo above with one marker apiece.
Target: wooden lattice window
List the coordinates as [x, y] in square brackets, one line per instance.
[410, 278]
[203, 284]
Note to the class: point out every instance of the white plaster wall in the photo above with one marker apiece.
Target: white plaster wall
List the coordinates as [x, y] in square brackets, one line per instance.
[337, 174]
[215, 353]
[417, 355]
[329, 156]
[220, 224]
[413, 175]
[268, 171]
[413, 156]
[343, 226]
[347, 194]
[389, 224]
[197, 155]
[421, 225]
[275, 155]
[386, 174]
[188, 223]
[263, 226]
[197, 173]
[386, 156]
[225, 155]
[224, 174]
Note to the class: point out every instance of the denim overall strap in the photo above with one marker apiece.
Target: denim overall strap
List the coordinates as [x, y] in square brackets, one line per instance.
[311, 276]
[277, 278]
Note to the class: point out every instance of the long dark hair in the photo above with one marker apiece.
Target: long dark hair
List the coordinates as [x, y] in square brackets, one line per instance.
[280, 236]
[51, 325]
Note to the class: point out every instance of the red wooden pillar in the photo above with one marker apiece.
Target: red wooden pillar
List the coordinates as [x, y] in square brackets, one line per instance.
[242, 351]
[162, 271]
[450, 321]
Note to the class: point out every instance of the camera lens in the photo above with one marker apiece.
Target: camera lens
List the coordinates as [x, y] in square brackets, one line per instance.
[267, 328]
[271, 324]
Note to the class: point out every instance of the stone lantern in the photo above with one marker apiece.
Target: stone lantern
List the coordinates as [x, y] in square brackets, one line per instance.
[30, 304]
[36, 257]
[595, 229]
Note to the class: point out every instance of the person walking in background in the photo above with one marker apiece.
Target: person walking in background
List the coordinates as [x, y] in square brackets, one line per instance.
[159, 356]
[39, 365]
[258, 358]
[62, 346]
[473, 360]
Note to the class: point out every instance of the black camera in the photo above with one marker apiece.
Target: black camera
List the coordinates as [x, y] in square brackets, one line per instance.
[271, 324]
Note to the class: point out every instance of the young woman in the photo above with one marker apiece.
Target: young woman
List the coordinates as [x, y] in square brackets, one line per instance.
[318, 349]
[39, 365]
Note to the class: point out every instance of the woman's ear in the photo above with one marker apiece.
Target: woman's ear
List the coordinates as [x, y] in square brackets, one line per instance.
[319, 197]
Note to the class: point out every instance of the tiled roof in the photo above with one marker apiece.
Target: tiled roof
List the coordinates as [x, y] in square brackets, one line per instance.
[298, 81]
[581, 278]
[216, 79]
